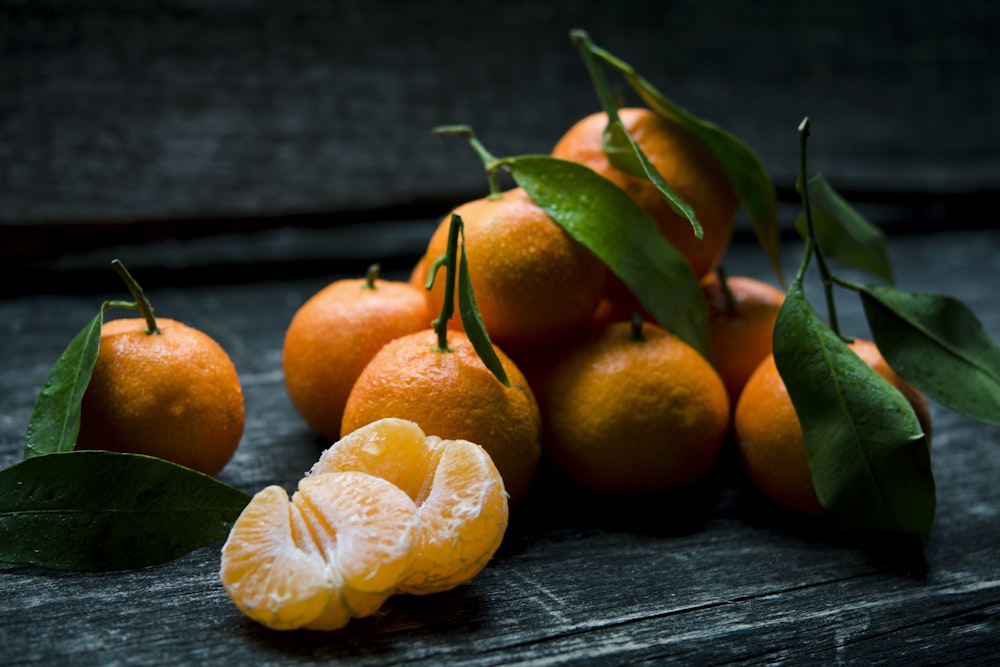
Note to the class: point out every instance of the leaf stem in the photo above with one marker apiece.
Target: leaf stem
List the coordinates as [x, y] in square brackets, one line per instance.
[440, 325]
[586, 47]
[826, 277]
[491, 164]
[145, 307]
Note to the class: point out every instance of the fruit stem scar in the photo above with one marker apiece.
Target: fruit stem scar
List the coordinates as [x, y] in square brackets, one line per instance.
[145, 307]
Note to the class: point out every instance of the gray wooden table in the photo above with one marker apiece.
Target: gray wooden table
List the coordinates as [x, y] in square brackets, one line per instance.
[239, 156]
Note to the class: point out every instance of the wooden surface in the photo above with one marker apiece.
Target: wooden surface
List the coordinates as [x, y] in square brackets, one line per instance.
[239, 156]
[716, 576]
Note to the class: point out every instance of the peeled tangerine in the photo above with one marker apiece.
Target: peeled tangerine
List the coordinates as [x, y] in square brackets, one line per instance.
[386, 509]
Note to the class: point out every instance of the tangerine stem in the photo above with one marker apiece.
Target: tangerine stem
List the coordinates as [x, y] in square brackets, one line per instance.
[490, 162]
[824, 270]
[727, 294]
[371, 276]
[636, 329]
[145, 307]
[440, 325]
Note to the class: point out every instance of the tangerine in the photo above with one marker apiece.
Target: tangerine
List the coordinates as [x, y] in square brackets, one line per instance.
[452, 394]
[683, 161]
[334, 334]
[629, 408]
[534, 283]
[173, 394]
[459, 494]
[740, 326]
[769, 434]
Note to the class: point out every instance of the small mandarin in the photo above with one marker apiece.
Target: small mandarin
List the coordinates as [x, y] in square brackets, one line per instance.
[173, 394]
[458, 491]
[333, 552]
[335, 333]
[453, 395]
[534, 284]
[740, 326]
[628, 408]
[769, 435]
[686, 164]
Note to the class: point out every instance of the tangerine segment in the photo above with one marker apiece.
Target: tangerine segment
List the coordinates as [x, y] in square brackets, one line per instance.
[334, 551]
[459, 493]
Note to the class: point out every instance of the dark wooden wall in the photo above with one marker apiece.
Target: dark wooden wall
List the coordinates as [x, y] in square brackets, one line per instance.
[189, 117]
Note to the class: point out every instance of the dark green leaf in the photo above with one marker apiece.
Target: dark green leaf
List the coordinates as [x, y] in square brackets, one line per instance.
[91, 510]
[845, 235]
[749, 179]
[625, 154]
[472, 321]
[55, 417]
[937, 344]
[601, 216]
[869, 458]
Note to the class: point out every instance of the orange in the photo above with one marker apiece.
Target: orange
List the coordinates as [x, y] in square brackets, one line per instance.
[174, 395]
[685, 164]
[335, 551]
[534, 284]
[740, 326]
[632, 410]
[457, 489]
[335, 333]
[454, 396]
[769, 434]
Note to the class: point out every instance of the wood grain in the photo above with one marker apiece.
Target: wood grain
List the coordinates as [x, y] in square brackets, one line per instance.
[716, 576]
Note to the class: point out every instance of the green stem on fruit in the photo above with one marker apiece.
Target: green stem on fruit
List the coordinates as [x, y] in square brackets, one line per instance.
[371, 276]
[491, 164]
[581, 40]
[727, 294]
[636, 329]
[826, 277]
[450, 261]
[145, 307]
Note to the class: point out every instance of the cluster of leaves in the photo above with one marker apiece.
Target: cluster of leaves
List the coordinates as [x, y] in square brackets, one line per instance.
[94, 510]
[868, 455]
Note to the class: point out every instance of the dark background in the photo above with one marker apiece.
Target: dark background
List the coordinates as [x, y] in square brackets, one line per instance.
[128, 121]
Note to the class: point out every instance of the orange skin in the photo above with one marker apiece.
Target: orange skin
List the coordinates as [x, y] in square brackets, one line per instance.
[173, 395]
[335, 334]
[534, 284]
[686, 165]
[632, 416]
[453, 396]
[770, 438]
[740, 331]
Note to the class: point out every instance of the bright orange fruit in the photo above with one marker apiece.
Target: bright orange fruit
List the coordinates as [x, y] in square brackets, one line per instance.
[335, 333]
[770, 438]
[459, 494]
[335, 551]
[452, 395]
[629, 411]
[174, 395]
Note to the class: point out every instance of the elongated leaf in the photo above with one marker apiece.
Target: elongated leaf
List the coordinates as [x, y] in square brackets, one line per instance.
[602, 217]
[749, 179]
[472, 321]
[625, 154]
[869, 459]
[91, 510]
[843, 234]
[55, 417]
[937, 344]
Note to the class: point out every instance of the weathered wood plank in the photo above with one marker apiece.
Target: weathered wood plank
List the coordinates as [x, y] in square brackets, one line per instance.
[719, 578]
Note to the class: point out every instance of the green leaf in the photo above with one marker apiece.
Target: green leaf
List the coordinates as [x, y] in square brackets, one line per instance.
[55, 417]
[472, 320]
[937, 344]
[749, 179]
[602, 217]
[624, 154]
[845, 235]
[869, 458]
[93, 510]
